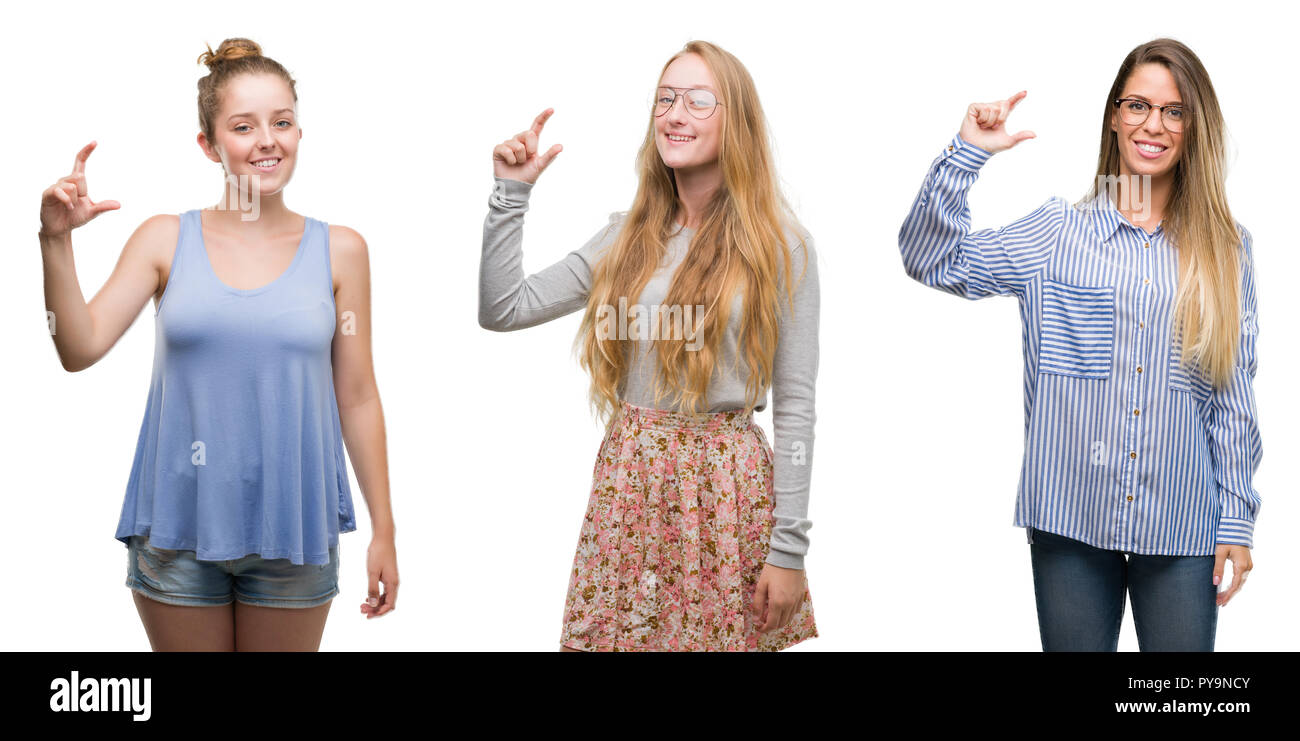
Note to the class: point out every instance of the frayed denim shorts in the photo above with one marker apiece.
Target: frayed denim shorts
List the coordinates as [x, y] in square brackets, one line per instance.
[178, 578]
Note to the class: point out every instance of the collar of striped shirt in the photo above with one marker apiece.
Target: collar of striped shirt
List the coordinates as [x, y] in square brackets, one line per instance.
[1107, 219]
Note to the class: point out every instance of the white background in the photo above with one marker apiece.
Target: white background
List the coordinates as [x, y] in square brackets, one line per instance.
[920, 412]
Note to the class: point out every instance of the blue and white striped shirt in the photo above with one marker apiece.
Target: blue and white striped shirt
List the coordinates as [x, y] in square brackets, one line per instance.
[1125, 447]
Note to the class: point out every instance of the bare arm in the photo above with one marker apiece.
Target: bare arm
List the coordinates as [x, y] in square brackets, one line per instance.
[361, 415]
[84, 332]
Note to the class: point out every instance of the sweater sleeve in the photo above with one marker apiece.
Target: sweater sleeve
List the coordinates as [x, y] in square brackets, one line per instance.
[1234, 423]
[507, 298]
[794, 383]
[940, 250]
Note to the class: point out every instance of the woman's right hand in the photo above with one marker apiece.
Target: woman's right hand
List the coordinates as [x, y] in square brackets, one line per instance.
[984, 125]
[66, 205]
[517, 158]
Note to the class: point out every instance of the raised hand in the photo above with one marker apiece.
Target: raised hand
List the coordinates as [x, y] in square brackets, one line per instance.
[66, 205]
[984, 125]
[517, 158]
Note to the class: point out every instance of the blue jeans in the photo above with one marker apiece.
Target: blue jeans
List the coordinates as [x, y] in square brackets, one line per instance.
[1080, 594]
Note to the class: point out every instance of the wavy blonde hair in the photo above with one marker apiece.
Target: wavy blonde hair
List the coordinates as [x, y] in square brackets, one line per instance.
[739, 248]
[1207, 307]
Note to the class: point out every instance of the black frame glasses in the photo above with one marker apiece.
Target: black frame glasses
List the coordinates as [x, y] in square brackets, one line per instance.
[660, 108]
[1175, 127]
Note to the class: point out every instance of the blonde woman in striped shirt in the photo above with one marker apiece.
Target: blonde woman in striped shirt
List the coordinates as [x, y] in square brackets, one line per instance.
[1139, 314]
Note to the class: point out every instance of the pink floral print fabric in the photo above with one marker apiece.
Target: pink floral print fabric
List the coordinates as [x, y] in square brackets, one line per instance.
[675, 537]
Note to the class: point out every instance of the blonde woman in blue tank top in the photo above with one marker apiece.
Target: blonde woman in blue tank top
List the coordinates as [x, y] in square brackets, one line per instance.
[262, 370]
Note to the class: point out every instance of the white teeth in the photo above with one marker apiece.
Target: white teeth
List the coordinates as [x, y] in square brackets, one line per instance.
[677, 138]
[266, 163]
[1150, 148]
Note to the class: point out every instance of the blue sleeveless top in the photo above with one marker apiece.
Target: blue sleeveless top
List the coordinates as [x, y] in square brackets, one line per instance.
[241, 451]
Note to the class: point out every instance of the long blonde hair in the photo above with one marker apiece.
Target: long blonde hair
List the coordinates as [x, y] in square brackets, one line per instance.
[1207, 305]
[740, 246]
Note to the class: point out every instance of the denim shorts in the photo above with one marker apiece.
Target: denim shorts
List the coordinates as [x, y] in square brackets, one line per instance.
[178, 578]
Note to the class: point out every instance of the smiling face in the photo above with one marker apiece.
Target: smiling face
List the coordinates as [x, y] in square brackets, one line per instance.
[684, 141]
[256, 131]
[1148, 148]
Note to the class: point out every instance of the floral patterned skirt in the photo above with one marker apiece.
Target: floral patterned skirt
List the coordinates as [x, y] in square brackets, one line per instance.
[675, 537]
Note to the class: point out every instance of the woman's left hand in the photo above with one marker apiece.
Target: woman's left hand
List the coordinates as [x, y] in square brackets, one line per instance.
[381, 566]
[778, 596]
[1241, 566]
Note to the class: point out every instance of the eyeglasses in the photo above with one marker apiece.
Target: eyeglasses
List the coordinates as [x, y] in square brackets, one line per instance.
[699, 103]
[1136, 112]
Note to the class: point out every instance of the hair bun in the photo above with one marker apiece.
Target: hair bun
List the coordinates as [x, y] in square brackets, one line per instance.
[228, 50]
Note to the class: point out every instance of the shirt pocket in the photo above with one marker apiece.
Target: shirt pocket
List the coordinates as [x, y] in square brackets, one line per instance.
[1077, 337]
[1187, 380]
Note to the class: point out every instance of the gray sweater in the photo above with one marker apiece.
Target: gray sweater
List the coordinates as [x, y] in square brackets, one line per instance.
[509, 300]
